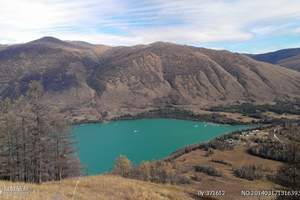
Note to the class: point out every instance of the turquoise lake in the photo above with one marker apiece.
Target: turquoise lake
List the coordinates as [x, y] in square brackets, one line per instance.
[140, 140]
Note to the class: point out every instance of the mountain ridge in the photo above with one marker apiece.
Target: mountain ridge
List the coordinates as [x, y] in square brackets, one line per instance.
[104, 82]
[289, 58]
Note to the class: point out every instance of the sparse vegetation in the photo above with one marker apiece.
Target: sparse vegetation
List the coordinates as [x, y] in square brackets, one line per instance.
[158, 172]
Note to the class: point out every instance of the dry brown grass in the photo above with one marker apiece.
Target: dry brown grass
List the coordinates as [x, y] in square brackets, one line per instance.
[273, 115]
[228, 182]
[104, 187]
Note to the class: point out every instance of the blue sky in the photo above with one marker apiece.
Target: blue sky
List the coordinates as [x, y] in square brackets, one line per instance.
[252, 26]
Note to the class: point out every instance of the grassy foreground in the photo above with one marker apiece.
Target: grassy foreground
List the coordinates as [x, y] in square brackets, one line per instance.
[104, 187]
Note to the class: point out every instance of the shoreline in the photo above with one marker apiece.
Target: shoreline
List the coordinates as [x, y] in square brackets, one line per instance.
[173, 113]
[189, 148]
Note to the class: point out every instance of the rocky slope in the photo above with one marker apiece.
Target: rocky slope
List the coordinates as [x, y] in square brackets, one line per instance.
[98, 82]
[289, 58]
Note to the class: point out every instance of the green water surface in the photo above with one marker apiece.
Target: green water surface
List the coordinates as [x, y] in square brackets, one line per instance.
[140, 140]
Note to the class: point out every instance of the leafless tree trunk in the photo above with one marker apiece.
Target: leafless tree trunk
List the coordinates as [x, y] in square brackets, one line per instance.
[36, 144]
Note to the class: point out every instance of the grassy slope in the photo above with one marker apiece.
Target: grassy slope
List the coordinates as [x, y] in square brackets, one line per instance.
[228, 182]
[237, 157]
[97, 188]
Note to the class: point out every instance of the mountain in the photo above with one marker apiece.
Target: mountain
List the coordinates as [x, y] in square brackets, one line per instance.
[99, 82]
[2, 46]
[289, 58]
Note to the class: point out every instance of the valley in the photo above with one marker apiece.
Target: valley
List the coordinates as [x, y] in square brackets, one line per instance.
[149, 100]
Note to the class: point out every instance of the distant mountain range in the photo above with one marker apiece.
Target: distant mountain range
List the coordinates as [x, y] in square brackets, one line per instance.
[101, 82]
[289, 58]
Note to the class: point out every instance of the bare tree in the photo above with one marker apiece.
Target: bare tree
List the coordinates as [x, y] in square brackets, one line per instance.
[36, 143]
[289, 175]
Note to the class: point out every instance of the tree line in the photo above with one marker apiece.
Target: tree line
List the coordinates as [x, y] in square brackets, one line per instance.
[36, 143]
[289, 174]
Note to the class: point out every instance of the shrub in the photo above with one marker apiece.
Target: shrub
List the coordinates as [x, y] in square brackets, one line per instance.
[209, 170]
[197, 178]
[221, 144]
[250, 172]
[209, 152]
[181, 179]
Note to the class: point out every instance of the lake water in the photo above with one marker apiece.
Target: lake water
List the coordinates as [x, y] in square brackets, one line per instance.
[144, 139]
